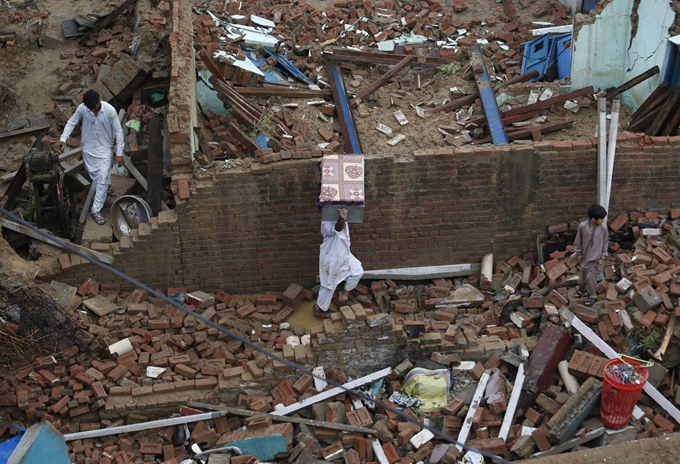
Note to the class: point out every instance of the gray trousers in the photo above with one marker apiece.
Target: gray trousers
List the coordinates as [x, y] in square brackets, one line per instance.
[587, 278]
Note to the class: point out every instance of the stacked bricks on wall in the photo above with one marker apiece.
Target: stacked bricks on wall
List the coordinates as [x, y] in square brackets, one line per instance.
[466, 207]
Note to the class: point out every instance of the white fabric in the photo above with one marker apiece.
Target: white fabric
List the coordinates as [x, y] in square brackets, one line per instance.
[336, 262]
[325, 296]
[98, 134]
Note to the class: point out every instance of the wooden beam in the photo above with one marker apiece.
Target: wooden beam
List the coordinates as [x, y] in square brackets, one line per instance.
[509, 416]
[567, 445]
[25, 130]
[157, 424]
[382, 80]
[470, 99]
[332, 392]
[664, 113]
[275, 418]
[58, 243]
[356, 56]
[424, 272]
[476, 400]
[632, 83]
[284, 92]
[526, 132]
[541, 104]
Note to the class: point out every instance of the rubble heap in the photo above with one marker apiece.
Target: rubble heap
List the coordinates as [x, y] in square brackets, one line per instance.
[145, 358]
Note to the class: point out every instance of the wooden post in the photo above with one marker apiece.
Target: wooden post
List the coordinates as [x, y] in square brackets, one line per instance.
[155, 164]
[382, 81]
[602, 151]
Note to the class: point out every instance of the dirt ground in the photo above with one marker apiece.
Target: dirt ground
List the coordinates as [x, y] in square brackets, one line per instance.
[35, 73]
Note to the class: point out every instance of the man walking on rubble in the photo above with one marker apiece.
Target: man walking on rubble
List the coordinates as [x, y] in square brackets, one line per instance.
[591, 243]
[100, 125]
[336, 263]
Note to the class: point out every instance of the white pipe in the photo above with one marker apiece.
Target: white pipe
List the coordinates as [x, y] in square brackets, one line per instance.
[611, 149]
[570, 382]
[602, 151]
[486, 271]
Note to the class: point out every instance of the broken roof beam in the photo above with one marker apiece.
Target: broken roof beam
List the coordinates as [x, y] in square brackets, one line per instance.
[332, 392]
[486, 94]
[382, 80]
[356, 56]
[25, 130]
[609, 352]
[349, 130]
[284, 92]
[527, 132]
[470, 99]
[541, 104]
[632, 83]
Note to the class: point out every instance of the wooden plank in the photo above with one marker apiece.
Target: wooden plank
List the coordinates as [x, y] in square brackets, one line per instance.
[567, 445]
[25, 130]
[379, 452]
[526, 132]
[88, 203]
[609, 352]
[382, 80]
[652, 99]
[157, 424]
[509, 417]
[294, 420]
[663, 114]
[332, 392]
[283, 92]
[155, 165]
[356, 56]
[424, 272]
[53, 241]
[470, 99]
[476, 399]
[632, 83]
[541, 104]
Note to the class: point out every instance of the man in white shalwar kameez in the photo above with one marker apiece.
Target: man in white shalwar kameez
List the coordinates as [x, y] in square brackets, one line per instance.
[336, 263]
[100, 128]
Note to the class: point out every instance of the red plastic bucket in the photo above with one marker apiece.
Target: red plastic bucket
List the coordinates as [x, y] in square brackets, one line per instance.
[619, 399]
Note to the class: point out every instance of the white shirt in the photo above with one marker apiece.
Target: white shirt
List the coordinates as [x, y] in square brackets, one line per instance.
[336, 262]
[98, 132]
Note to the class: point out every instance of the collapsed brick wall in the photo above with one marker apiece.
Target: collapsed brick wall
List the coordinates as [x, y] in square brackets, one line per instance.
[257, 230]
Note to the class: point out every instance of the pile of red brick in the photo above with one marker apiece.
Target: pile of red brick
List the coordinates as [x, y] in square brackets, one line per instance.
[87, 388]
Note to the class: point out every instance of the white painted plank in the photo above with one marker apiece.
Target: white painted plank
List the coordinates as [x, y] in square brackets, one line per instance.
[332, 392]
[512, 404]
[378, 452]
[467, 423]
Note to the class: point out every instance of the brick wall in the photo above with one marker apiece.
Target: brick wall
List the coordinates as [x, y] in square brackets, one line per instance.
[257, 229]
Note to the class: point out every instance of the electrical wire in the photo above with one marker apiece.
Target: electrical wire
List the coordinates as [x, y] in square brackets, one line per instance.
[247, 342]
